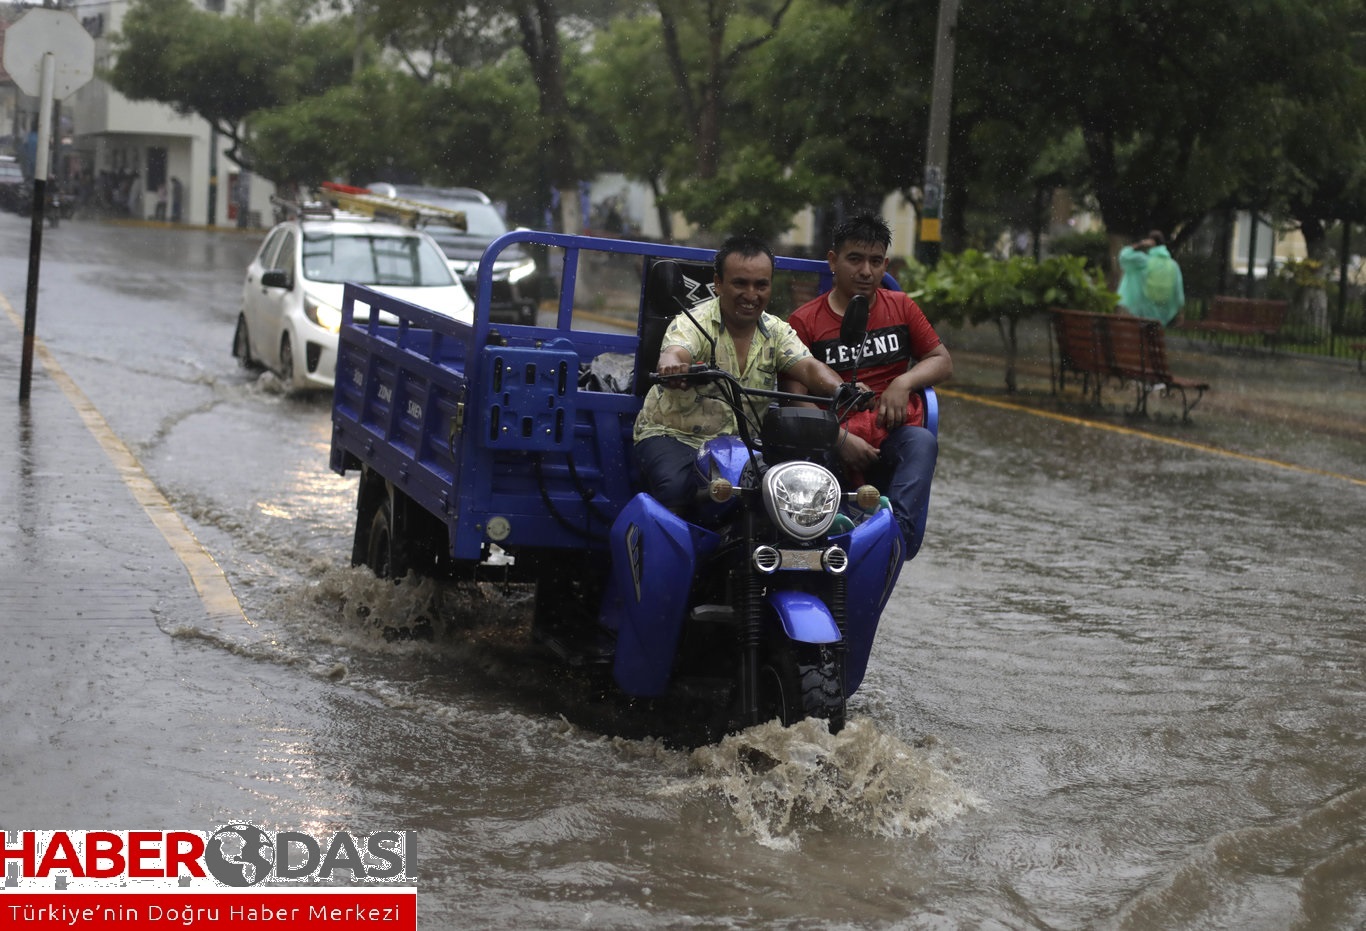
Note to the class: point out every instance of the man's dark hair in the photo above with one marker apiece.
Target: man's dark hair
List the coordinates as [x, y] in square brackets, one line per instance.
[866, 227]
[1157, 237]
[744, 246]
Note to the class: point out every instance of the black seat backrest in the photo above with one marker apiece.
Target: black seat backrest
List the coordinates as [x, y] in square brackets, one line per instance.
[669, 285]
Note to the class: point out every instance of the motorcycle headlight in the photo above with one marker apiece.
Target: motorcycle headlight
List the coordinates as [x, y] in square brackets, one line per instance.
[323, 314]
[801, 498]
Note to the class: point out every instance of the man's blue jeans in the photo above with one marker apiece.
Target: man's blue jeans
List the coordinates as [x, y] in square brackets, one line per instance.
[904, 471]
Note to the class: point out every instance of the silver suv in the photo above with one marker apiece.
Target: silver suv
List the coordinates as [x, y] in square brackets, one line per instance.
[515, 283]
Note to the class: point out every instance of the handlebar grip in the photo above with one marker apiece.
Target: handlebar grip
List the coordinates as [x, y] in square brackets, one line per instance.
[697, 368]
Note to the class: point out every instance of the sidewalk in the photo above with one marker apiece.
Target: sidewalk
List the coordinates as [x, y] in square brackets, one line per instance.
[1307, 411]
[91, 542]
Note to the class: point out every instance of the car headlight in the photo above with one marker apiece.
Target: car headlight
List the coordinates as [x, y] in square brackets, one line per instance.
[801, 498]
[322, 313]
[521, 270]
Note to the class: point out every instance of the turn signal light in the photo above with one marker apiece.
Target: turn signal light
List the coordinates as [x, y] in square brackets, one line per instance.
[867, 498]
[721, 490]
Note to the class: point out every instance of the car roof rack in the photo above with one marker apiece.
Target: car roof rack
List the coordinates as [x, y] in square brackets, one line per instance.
[412, 213]
[310, 209]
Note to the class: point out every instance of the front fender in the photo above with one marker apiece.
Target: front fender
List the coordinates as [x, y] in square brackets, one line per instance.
[654, 554]
[877, 552]
[804, 617]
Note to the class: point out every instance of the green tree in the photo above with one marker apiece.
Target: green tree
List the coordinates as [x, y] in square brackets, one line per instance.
[438, 38]
[706, 45]
[358, 132]
[225, 68]
[632, 123]
[970, 287]
[843, 109]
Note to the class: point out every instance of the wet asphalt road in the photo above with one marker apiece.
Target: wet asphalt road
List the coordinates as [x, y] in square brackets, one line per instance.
[1121, 687]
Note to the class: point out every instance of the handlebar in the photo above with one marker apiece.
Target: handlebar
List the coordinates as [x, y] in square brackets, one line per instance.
[842, 402]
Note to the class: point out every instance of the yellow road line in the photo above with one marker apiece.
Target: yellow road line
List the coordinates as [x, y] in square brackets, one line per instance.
[205, 573]
[1156, 437]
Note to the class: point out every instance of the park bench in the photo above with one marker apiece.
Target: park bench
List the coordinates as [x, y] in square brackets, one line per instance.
[1131, 350]
[1241, 316]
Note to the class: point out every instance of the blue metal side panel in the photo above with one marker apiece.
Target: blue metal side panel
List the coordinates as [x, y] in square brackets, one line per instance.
[398, 395]
[528, 396]
[876, 555]
[804, 617]
[654, 554]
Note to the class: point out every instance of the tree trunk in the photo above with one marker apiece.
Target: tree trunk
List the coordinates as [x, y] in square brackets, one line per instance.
[538, 21]
[1309, 310]
[1008, 326]
[666, 220]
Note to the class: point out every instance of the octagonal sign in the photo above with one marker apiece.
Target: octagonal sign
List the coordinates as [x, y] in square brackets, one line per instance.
[38, 32]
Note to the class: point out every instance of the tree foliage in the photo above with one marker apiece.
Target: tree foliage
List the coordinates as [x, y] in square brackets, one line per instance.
[973, 288]
[737, 111]
[225, 68]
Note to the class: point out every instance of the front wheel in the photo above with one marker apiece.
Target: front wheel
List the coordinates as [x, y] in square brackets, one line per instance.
[241, 344]
[286, 361]
[802, 680]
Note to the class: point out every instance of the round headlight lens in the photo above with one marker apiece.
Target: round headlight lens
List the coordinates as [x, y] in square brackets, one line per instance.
[801, 498]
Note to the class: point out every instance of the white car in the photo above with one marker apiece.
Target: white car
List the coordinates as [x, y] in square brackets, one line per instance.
[292, 298]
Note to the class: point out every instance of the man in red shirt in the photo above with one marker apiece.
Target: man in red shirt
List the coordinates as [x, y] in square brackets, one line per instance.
[888, 444]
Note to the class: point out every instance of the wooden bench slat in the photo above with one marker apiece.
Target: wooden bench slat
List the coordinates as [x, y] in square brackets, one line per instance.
[1244, 316]
[1127, 348]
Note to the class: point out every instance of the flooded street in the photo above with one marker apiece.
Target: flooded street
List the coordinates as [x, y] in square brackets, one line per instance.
[1123, 685]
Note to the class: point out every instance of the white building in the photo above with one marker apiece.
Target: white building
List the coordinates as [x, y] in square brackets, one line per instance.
[112, 139]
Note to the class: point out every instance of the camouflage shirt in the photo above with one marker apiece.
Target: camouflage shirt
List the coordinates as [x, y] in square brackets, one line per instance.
[698, 413]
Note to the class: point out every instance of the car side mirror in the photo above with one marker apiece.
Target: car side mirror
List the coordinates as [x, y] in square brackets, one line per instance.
[275, 278]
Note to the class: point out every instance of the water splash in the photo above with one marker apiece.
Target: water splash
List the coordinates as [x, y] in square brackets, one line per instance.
[780, 782]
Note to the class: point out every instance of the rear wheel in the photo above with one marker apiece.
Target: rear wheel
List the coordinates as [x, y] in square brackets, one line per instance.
[394, 536]
[382, 552]
[802, 680]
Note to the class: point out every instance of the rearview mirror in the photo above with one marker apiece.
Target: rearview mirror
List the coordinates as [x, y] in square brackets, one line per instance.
[854, 326]
[275, 278]
[663, 287]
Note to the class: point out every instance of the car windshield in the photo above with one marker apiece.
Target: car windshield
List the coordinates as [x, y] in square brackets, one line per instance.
[483, 220]
[398, 261]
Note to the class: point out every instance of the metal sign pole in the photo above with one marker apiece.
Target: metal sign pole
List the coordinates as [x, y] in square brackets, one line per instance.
[48, 54]
[35, 248]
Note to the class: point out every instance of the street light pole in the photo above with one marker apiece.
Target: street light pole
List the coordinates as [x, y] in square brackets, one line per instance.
[937, 143]
[213, 174]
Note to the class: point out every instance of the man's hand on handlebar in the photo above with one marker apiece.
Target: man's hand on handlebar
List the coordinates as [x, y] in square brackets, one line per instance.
[852, 397]
[675, 361]
[668, 369]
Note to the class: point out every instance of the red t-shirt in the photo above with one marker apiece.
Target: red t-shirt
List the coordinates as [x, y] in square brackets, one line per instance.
[899, 335]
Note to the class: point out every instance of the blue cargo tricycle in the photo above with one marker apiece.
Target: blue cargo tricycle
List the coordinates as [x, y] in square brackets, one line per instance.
[502, 452]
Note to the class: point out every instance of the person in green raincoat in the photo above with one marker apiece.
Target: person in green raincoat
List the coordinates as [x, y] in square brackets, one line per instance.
[1151, 285]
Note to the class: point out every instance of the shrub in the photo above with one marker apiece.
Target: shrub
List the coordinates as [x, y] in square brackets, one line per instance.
[972, 288]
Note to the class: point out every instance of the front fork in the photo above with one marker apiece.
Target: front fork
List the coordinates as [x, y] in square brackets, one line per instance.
[752, 628]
